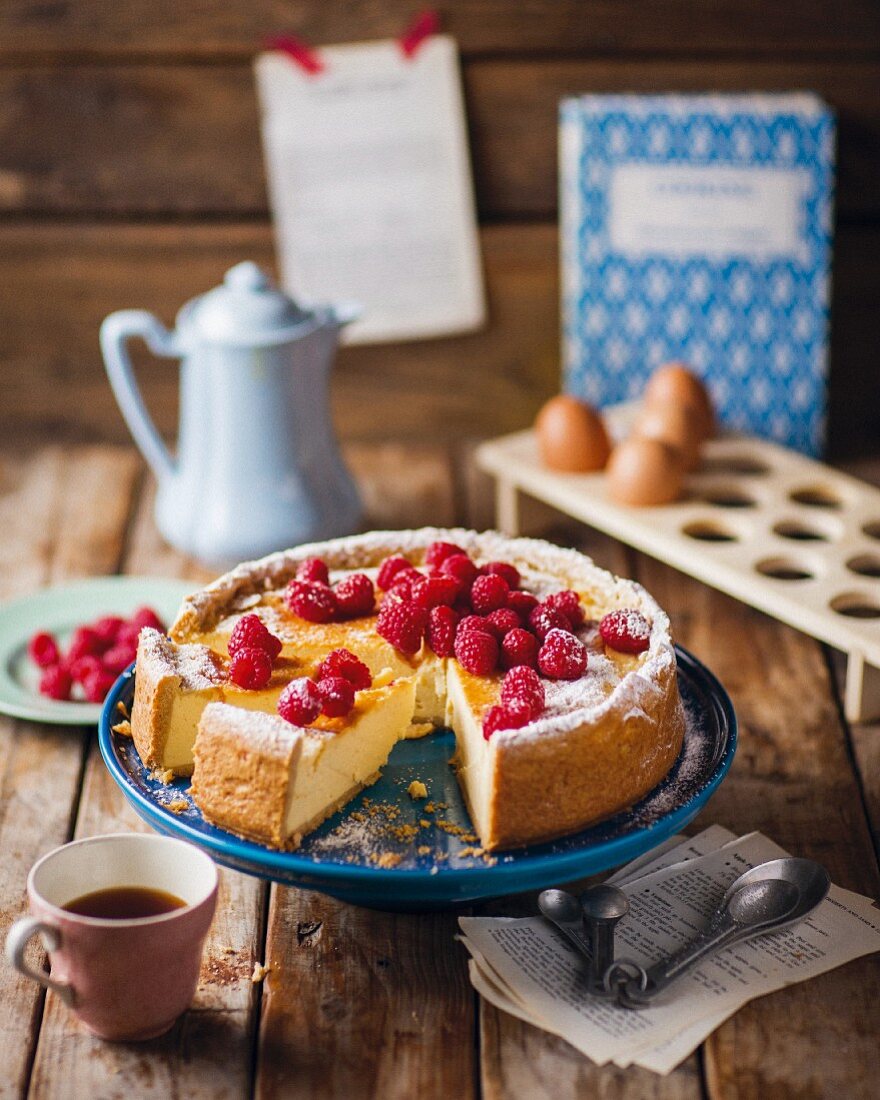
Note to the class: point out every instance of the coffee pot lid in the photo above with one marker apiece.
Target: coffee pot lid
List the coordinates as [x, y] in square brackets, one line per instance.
[246, 310]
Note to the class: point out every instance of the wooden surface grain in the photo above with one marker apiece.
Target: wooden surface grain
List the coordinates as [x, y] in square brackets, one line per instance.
[359, 1003]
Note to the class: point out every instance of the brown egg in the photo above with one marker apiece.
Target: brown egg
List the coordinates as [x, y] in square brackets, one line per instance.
[674, 383]
[643, 472]
[571, 436]
[674, 423]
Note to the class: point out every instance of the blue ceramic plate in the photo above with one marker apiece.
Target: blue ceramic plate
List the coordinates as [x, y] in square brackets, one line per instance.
[429, 841]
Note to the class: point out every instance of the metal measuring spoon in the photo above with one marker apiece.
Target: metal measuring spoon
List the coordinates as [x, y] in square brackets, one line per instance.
[602, 907]
[562, 909]
[767, 898]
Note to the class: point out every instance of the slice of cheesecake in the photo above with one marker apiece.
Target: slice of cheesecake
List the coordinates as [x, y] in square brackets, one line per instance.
[272, 781]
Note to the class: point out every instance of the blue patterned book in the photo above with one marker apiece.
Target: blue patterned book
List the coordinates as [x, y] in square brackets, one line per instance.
[698, 228]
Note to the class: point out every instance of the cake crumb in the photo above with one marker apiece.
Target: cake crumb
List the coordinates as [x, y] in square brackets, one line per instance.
[167, 776]
[259, 973]
[424, 849]
[425, 823]
[122, 708]
[178, 806]
[122, 728]
[417, 789]
[388, 859]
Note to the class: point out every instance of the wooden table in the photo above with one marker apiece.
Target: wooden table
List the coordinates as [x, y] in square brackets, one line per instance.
[360, 1003]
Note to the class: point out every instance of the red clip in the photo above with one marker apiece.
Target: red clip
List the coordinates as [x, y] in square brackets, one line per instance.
[299, 51]
[422, 27]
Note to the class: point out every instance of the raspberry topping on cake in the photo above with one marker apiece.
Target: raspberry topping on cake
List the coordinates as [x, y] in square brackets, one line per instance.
[389, 569]
[440, 633]
[344, 663]
[543, 619]
[402, 623]
[355, 596]
[488, 593]
[311, 600]
[337, 696]
[502, 622]
[474, 622]
[313, 569]
[462, 568]
[626, 630]
[519, 647]
[250, 668]
[437, 553]
[43, 650]
[476, 651]
[567, 603]
[300, 702]
[562, 656]
[435, 590]
[506, 716]
[503, 569]
[250, 632]
[523, 603]
[524, 685]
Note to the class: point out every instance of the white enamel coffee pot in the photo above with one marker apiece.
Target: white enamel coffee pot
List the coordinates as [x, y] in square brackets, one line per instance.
[258, 467]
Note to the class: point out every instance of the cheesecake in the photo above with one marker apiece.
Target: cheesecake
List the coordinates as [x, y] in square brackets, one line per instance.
[558, 680]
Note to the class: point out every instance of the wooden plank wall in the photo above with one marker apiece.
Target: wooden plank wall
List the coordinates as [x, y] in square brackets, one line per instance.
[131, 175]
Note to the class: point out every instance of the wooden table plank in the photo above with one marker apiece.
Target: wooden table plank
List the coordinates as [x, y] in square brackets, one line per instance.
[52, 531]
[209, 1052]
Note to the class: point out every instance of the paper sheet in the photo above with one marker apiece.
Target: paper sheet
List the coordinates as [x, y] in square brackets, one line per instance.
[370, 185]
[526, 967]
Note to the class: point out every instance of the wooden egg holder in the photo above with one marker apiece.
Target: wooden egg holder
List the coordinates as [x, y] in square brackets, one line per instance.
[778, 531]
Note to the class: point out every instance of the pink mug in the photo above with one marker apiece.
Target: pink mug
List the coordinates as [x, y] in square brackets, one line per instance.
[125, 979]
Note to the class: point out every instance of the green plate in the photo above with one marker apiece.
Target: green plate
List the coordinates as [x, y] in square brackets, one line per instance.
[59, 611]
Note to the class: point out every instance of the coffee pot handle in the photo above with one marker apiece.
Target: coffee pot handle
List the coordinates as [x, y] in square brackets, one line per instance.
[116, 331]
[17, 939]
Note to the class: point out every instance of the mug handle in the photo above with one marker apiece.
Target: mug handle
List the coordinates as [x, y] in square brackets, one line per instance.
[17, 940]
[116, 330]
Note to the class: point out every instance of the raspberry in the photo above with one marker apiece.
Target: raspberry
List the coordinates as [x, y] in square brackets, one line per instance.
[115, 660]
[97, 684]
[313, 569]
[251, 668]
[435, 590]
[56, 682]
[477, 652]
[402, 623]
[461, 567]
[474, 622]
[524, 685]
[543, 619]
[389, 569]
[82, 667]
[442, 622]
[146, 616]
[108, 627]
[337, 696]
[508, 716]
[438, 552]
[626, 630]
[84, 642]
[502, 622]
[250, 632]
[523, 603]
[567, 603]
[519, 648]
[300, 702]
[489, 592]
[311, 600]
[342, 662]
[503, 569]
[43, 650]
[562, 656]
[355, 596]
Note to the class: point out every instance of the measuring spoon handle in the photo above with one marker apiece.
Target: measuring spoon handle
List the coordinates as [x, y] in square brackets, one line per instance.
[657, 977]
